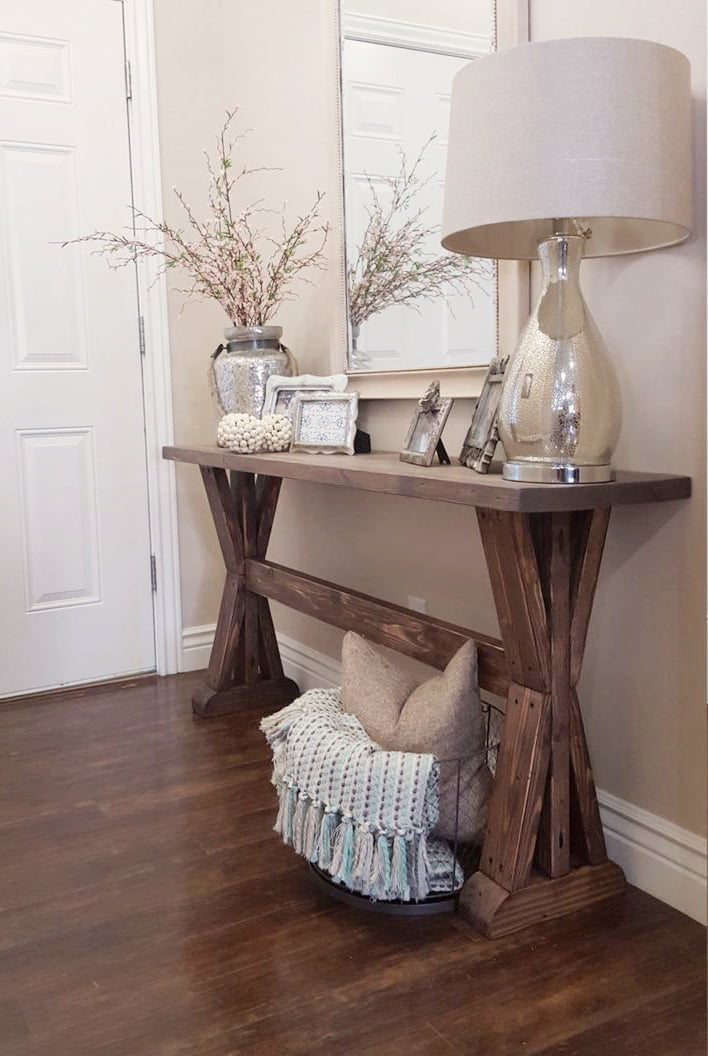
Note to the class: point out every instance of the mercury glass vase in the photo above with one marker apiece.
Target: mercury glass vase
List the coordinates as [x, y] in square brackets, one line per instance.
[560, 410]
[239, 370]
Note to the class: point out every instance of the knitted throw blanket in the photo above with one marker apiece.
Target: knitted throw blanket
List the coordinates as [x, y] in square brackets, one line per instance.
[360, 813]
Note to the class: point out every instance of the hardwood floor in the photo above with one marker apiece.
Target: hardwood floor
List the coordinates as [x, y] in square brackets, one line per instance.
[146, 909]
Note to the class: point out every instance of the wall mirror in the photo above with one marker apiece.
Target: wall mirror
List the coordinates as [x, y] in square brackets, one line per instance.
[397, 60]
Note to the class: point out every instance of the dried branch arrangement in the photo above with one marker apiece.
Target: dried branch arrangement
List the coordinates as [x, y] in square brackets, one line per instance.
[392, 265]
[229, 256]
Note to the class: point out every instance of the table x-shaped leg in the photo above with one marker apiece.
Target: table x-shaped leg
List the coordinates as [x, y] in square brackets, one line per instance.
[544, 850]
[245, 665]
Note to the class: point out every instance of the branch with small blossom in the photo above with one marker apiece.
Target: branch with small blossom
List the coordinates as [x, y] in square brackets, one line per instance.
[229, 256]
[392, 265]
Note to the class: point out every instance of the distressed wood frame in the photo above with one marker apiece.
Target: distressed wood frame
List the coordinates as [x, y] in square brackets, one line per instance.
[436, 421]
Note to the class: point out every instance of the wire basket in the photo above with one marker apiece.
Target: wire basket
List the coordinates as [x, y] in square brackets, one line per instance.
[464, 856]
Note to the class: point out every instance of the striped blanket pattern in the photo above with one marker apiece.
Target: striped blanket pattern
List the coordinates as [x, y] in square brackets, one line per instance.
[360, 813]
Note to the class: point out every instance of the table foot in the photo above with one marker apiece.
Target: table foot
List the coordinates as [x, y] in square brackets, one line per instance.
[270, 694]
[245, 667]
[494, 911]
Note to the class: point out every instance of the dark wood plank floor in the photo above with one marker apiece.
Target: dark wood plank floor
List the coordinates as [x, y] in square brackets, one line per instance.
[146, 909]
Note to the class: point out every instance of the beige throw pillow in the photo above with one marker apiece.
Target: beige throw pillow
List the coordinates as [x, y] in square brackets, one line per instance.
[442, 716]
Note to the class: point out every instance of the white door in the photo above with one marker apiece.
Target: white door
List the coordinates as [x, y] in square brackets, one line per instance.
[394, 99]
[75, 553]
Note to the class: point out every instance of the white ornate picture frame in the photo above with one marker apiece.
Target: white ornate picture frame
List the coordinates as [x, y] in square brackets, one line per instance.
[325, 423]
[281, 391]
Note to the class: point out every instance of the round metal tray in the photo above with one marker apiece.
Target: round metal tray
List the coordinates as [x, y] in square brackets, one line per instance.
[445, 903]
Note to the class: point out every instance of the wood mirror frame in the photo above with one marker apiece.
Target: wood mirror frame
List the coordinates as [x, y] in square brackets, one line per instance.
[512, 27]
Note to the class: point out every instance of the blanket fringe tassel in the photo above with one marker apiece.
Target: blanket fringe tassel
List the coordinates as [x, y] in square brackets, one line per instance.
[377, 864]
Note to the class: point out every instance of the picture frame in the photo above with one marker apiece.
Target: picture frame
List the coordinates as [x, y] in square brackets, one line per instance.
[483, 435]
[281, 390]
[425, 431]
[324, 423]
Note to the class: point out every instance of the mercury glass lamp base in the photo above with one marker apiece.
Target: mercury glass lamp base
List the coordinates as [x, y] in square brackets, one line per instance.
[544, 473]
[560, 409]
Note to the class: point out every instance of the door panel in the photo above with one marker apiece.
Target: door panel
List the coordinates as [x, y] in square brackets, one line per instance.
[75, 560]
[57, 485]
[39, 181]
[31, 68]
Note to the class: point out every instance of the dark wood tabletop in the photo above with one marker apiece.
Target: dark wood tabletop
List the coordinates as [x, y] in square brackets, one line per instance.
[384, 472]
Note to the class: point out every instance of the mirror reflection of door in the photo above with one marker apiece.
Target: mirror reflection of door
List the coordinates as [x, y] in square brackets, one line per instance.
[398, 63]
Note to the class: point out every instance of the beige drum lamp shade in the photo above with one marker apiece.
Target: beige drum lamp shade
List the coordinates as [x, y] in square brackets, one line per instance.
[594, 128]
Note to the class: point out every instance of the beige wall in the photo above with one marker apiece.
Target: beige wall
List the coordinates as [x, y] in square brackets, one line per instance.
[643, 687]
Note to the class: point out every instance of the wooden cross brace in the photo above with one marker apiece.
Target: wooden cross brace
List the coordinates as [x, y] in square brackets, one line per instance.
[245, 665]
[544, 851]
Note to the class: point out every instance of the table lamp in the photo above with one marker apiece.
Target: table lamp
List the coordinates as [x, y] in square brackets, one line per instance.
[557, 150]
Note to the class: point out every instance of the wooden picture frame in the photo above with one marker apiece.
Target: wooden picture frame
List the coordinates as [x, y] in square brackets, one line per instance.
[281, 390]
[483, 436]
[325, 423]
[425, 432]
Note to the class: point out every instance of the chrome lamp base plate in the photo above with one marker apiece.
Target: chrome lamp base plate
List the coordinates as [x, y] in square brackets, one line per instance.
[564, 473]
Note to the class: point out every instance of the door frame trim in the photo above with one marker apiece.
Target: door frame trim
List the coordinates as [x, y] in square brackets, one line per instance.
[157, 381]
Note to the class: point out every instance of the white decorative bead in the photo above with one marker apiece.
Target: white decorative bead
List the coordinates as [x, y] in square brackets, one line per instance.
[277, 432]
[239, 432]
[245, 434]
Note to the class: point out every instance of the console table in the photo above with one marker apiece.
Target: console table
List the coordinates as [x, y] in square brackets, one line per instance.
[544, 850]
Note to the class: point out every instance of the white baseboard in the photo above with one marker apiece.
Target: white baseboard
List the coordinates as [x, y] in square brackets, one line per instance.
[305, 666]
[196, 646]
[656, 855]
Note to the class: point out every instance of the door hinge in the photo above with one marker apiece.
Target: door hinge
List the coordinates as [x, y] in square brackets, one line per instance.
[141, 334]
[128, 80]
[153, 572]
